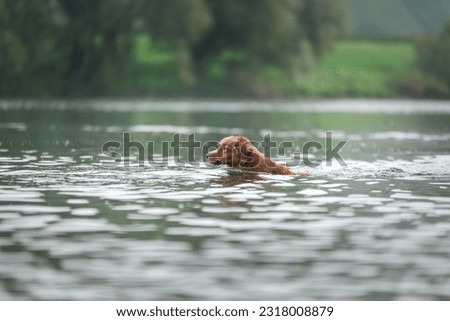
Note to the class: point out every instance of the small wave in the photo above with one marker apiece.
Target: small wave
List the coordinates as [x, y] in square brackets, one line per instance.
[425, 166]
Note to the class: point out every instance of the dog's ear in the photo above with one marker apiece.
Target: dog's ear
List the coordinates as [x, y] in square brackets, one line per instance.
[249, 156]
[248, 149]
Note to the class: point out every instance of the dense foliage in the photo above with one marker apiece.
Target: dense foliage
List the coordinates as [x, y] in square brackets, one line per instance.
[83, 47]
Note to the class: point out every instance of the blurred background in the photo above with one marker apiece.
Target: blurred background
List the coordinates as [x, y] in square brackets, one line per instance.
[235, 48]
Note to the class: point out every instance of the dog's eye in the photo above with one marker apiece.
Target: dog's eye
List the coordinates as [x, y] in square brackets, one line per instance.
[236, 145]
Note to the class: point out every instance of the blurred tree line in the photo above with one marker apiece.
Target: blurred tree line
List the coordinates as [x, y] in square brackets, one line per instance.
[82, 47]
[433, 54]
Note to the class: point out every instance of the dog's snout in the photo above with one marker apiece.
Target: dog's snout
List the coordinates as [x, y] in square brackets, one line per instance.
[211, 153]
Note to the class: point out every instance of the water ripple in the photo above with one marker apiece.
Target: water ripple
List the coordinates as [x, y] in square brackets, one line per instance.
[72, 228]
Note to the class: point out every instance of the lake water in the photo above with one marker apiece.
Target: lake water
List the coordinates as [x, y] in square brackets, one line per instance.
[74, 226]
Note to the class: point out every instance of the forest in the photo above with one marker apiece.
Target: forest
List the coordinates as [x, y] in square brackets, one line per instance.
[238, 48]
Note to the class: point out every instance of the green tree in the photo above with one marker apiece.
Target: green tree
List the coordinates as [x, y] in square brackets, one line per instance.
[94, 39]
[24, 26]
[254, 37]
[248, 36]
[433, 61]
[324, 22]
[183, 23]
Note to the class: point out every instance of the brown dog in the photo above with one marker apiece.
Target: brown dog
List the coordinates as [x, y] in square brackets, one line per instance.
[238, 152]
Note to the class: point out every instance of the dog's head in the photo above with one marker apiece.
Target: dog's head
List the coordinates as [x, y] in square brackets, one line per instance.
[234, 151]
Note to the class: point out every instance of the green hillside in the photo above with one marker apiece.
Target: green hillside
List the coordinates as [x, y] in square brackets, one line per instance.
[397, 18]
[361, 68]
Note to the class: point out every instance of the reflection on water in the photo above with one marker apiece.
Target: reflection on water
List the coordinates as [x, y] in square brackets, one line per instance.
[72, 228]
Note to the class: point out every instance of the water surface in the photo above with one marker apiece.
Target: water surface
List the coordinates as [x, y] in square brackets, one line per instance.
[73, 228]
